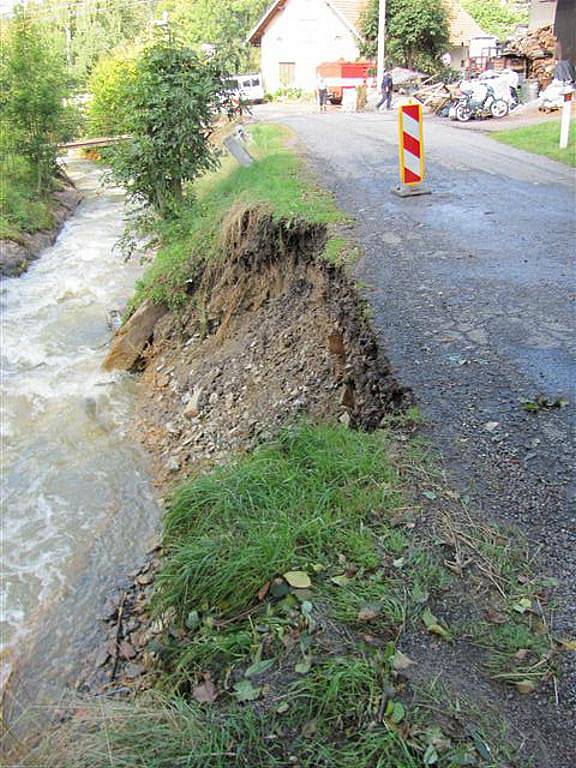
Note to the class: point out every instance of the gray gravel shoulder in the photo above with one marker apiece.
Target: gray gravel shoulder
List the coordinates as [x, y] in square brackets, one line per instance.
[472, 290]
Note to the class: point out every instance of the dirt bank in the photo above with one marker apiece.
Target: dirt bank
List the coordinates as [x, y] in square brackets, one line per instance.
[272, 334]
[16, 256]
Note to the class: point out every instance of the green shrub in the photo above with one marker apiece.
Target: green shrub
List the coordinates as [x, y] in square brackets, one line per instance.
[110, 85]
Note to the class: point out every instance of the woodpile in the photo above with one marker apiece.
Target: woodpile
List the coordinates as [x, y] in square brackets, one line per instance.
[434, 96]
[538, 47]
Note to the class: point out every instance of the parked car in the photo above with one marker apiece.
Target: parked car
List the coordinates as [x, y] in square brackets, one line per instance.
[247, 88]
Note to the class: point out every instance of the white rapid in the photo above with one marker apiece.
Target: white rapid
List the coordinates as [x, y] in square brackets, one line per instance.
[77, 504]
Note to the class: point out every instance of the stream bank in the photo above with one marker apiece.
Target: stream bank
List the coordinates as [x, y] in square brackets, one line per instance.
[17, 255]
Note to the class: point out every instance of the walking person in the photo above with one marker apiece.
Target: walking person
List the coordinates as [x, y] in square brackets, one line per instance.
[322, 93]
[386, 89]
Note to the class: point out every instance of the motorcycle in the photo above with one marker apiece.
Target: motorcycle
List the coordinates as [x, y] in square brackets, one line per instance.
[468, 107]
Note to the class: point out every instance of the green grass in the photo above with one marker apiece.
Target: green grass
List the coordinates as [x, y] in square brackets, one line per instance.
[277, 178]
[22, 210]
[542, 139]
[302, 502]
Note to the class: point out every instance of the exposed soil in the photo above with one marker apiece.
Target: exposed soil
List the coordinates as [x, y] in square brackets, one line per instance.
[272, 335]
[16, 257]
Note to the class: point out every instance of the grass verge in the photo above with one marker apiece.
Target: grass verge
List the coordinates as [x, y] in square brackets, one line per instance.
[541, 139]
[290, 578]
[277, 179]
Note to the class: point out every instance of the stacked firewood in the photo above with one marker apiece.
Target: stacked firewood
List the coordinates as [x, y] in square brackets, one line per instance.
[538, 46]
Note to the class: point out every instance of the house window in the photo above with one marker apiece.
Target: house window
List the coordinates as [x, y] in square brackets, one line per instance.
[287, 73]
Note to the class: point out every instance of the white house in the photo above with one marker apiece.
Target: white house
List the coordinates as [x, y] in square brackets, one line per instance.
[295, 36]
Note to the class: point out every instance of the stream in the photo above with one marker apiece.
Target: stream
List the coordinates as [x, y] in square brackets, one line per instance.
[78, 509]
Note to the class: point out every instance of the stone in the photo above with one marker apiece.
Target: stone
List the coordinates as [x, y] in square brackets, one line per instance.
[128, 344]
[345, 419]
[173, 464]
[192, 408]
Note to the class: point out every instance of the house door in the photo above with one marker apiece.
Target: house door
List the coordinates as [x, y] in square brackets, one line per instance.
[287, 74]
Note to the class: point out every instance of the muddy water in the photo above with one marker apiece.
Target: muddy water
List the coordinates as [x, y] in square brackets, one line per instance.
[77, 504]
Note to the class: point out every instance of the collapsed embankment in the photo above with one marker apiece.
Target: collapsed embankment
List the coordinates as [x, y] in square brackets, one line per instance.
[272, 332]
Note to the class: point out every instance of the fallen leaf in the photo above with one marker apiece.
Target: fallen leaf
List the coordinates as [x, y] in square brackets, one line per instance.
[279, 588]
[495, 617]
[522, 605]
[193, 620]
[303, 667]
[369, 612]
[309, 728]
[205, 693]
[340, 580]
[399, 562]
[283, 707]
[245, 691]
[297, 579]
[263, 591]
[431, 755]
[491, 426]
[429, 495]
[318, 568]
[526, 686]
[259, 667]
[398, 712]
[400, 661]
[521, 654]
[126, 651]
[568, 645]
[433, 625]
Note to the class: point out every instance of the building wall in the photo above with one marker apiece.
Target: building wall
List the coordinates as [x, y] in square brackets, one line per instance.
[542, 13]
[305, 34]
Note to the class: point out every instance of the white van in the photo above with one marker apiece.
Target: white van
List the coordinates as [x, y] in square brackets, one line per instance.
[248, 87]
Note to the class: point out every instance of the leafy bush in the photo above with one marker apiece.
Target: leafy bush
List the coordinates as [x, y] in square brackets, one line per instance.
[110, 85]
[495, 16]
[173, 100]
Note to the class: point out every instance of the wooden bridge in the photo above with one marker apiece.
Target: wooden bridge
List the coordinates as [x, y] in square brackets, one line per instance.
[100, 141]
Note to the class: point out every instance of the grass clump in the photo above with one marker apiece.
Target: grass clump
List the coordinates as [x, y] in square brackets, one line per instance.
[541, 139]
[22, 209]
[276, 178]
[302, 502]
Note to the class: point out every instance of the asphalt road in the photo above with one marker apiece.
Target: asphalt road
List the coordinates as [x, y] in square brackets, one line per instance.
[474, 297]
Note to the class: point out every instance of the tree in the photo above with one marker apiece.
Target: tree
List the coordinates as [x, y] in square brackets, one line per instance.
[174, 99]
[496, 17]
[417, 32]
[85, 30]
[110, 84]
[33, 86]
[222, 23]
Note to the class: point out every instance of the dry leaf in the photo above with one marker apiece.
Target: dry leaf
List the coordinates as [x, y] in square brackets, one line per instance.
[297, 579]
[205, 693]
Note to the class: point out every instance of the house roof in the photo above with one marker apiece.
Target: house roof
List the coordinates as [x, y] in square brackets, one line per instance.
[462, 25]
[348, 10]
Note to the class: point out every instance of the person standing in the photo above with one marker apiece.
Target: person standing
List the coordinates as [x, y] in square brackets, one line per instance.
[322, 93]
[386, 89]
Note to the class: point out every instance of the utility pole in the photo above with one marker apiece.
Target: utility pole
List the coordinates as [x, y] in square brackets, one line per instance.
[381, 41]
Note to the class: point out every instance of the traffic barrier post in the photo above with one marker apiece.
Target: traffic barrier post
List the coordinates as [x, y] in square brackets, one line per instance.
[411, 151]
